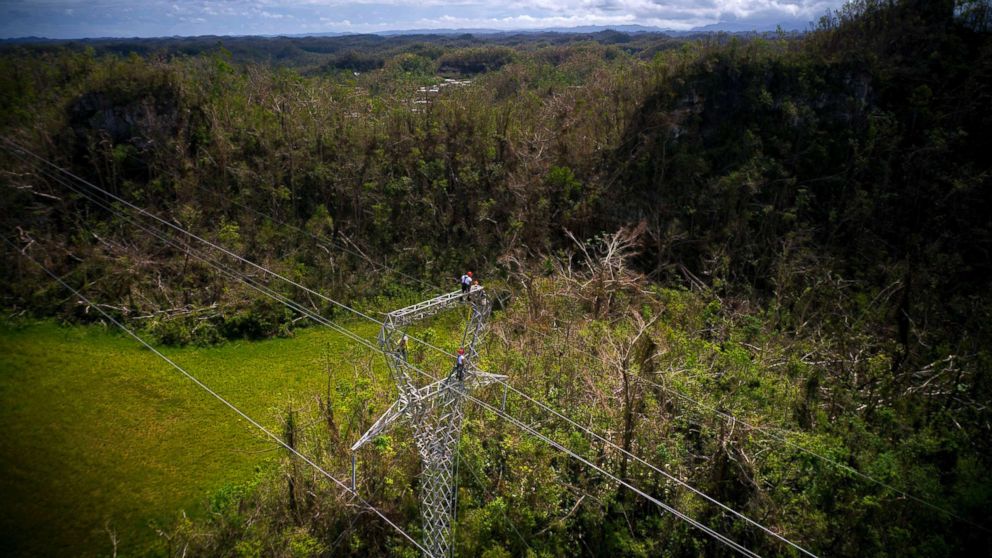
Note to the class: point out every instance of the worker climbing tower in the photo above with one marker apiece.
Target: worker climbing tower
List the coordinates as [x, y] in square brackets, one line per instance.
[434, 410]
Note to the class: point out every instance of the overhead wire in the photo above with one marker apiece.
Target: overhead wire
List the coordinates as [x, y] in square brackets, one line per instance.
[564, 449]
[179, 229]
[543, 405]
[785, 441]
[324, 321]
[678, 393]
[220, 398]
[320, 238]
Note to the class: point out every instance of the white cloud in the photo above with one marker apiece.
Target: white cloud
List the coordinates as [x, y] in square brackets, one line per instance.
[669, 10]
[80, 18]
[335, 22]
[515, 14]
[524, 21]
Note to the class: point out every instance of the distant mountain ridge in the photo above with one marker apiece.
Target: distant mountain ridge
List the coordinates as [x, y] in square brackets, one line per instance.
[720, 27]
[487, 31]
[792, 25]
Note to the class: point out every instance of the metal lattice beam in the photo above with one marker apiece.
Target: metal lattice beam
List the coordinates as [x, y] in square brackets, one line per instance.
[435, 410]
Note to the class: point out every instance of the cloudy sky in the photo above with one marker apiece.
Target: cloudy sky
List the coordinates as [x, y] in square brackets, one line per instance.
[156, 18]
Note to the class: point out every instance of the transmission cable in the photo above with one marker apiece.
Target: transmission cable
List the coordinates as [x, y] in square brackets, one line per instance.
[318, 237]
[358, 339]
[220, 398]
[193, 235]
[322, 320]
[324, 239]
[667, 389]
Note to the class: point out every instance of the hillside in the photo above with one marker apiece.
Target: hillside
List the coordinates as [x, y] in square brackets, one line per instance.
[759, 266]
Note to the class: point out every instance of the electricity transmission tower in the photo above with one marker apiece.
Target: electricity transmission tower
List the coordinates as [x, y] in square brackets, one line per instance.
[434, 411]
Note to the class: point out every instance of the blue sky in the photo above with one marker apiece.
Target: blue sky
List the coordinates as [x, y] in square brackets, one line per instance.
[155, 18]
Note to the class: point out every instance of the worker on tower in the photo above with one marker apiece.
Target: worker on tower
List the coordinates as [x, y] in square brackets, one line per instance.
[460, 365]
[471, 297]
[466, 282]
[402, 345]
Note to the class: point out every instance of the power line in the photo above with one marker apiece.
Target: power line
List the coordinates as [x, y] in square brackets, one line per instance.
[543, 405]
[248, 280]
[670, 390]
[320, 319]
[781, 439]
[678, 393]
[193, 235]
[560, 447]
[220, 398]
[321, 238]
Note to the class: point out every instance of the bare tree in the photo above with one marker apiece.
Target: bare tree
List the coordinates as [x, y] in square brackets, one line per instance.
[604, 269]
[627, 352]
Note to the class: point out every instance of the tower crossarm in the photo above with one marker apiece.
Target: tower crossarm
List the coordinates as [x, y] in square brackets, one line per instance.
[473, 379]
[428, 308]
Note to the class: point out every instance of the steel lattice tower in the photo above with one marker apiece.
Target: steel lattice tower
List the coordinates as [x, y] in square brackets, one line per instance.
[434, 411]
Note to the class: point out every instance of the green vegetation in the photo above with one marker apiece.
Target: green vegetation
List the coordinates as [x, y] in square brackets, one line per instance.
[791, 229]
[100, 433]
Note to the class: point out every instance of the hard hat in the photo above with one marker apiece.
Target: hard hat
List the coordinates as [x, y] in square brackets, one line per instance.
[461, 351]
[469, 273]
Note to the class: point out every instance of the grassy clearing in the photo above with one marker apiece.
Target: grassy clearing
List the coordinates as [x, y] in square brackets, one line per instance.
[99, 432]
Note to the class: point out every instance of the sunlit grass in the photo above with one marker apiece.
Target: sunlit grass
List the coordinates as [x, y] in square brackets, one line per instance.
[99, 432]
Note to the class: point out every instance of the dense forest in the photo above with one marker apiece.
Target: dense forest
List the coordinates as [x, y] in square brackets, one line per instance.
[762, 263]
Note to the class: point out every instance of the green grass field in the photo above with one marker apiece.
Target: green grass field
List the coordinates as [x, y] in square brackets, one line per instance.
[98, 431]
